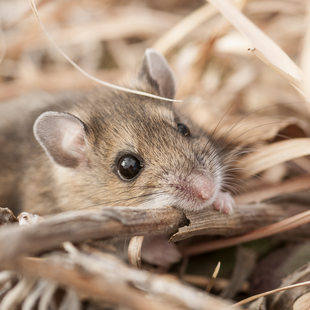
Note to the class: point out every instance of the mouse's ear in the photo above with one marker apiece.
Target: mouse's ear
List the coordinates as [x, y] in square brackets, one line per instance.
[157, 73]
[63, 138]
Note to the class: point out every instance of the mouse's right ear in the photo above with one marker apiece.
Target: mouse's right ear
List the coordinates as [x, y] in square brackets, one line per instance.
[156, 71]
[62, 136]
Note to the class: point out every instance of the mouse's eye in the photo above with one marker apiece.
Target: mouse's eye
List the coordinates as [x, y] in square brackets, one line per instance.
[128, 167]
[183, 129]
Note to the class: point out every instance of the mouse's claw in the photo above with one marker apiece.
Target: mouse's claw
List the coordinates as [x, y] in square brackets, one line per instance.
[224, 203]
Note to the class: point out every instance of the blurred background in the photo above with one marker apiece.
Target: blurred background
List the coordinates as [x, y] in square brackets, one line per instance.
[108, 39]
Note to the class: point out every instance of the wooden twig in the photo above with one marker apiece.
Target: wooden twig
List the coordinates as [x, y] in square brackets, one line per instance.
[107, 222]
[106, 278]
[7, 216]
[77, 226]
[92, 285]
[245, 218]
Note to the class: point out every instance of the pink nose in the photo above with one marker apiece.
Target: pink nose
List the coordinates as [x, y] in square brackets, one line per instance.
[201, 186]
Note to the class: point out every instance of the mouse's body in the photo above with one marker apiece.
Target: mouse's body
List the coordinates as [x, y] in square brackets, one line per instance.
[109, 148]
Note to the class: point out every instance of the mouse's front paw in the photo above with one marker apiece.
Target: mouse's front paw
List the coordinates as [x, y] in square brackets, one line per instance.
[224, 203]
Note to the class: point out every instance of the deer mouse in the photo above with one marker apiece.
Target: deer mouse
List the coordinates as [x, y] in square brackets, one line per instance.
[110, 148]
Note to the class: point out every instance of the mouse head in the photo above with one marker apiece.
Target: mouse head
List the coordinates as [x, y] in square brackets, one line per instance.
[63, 136]
[125, 149]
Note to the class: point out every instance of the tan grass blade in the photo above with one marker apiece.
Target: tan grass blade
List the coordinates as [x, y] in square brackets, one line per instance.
[89, 76]
[305, 60]
[183, 28]
[252, 129]
[274, 154]
[186, 26]
[263, 46]
[134, 251]
[214, 276]
[280, 289]
[291, 186]
[3, 46]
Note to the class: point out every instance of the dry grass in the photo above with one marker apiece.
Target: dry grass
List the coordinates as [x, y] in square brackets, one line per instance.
[253, 87]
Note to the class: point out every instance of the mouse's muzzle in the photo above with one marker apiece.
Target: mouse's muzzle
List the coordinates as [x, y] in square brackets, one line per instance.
[199, 187]
[194, 191]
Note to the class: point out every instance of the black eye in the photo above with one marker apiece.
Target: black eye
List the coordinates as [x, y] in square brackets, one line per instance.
[183, 129]
[128, 167]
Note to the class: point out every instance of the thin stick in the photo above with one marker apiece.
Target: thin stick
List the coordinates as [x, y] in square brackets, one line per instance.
[293, 185]
[290, 78]
[280, 289]
[89, 76]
